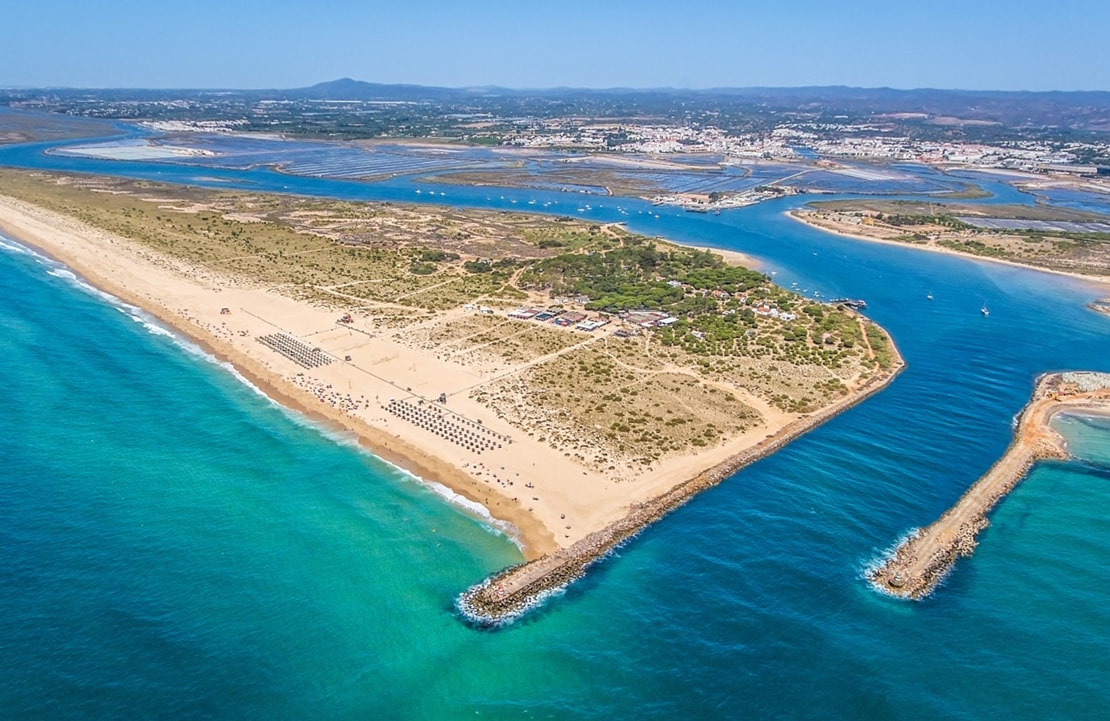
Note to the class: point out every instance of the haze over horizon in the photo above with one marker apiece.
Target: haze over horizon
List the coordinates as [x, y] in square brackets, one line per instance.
[254, 45]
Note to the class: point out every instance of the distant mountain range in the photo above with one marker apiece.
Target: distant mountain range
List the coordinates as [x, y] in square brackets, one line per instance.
[349, 89]
[1089, 109]
[1076, 110]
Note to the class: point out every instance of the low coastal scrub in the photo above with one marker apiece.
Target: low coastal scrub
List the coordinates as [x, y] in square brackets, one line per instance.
[1054, 240]
[439, 280]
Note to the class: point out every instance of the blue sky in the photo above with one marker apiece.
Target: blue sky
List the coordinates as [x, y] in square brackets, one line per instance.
[1002, 44]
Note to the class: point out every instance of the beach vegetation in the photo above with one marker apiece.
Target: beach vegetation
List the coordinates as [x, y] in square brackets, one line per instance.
[735, 338]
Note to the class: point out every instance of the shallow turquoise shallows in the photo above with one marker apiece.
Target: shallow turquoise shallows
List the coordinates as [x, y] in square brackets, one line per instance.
[175, 546]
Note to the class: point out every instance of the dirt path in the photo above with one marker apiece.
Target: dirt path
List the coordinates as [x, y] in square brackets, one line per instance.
[866, 340]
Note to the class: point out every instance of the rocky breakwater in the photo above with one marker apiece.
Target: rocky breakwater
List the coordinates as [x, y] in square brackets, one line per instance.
[508, 594]
[925, 557]
[1102, 305]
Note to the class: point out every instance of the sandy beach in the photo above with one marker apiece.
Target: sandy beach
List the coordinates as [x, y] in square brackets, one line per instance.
[190, 305]
[732, 257]
[371, 379]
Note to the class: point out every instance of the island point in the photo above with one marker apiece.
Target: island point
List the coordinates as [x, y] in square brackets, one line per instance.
[577, 380]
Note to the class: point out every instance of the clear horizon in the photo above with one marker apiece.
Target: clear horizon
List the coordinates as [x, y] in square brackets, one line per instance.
[251, 45]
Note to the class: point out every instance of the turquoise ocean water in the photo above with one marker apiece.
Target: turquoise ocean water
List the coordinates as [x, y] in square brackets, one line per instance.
[177, 546]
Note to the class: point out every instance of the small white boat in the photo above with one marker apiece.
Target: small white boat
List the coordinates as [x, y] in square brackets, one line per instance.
[984, 310]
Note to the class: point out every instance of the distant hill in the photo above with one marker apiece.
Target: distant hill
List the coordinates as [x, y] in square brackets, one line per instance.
[348, 89]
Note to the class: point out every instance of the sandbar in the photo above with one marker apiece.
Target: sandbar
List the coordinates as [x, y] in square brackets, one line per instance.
[809, 218]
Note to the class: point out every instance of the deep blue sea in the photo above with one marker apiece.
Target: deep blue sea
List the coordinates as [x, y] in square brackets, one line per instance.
[176, 546]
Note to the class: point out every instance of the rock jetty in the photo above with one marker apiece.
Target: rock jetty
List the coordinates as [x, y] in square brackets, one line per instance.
[926, 556]
[1102, 305]
[513, 591]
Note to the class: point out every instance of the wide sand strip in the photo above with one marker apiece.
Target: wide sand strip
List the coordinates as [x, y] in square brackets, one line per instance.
[183, 299]
[375, 386]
